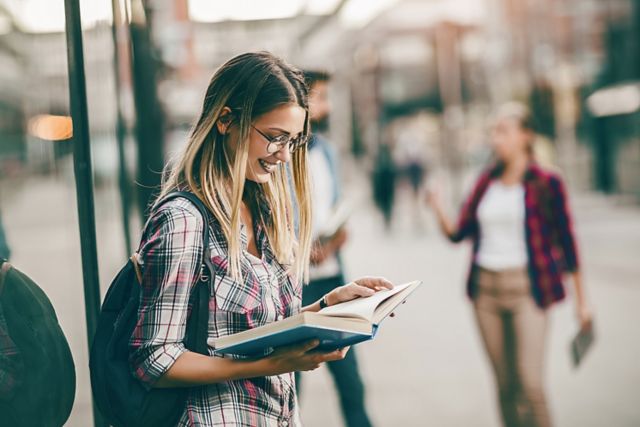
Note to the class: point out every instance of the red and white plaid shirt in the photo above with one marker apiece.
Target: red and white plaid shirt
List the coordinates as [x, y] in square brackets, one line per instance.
[170, 255]
[551, 247]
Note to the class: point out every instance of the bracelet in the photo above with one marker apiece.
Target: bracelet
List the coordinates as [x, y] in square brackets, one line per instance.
[323, 302]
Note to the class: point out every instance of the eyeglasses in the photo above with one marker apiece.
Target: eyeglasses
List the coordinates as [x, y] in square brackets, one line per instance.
[279, 142]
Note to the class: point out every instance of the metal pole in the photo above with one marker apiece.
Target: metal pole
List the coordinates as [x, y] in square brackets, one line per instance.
[83, 173]
[149, 116]
[121, 130]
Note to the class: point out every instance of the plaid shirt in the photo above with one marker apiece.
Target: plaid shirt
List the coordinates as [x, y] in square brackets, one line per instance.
[170, 256]
[551, 247]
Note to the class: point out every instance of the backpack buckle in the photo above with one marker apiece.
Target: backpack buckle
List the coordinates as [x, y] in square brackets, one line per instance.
[204, 277]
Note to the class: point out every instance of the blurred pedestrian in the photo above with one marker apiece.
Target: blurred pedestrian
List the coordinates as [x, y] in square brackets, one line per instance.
[253, 121]
[518, 219]
[410, 159]
[326, 272]
[384, 183]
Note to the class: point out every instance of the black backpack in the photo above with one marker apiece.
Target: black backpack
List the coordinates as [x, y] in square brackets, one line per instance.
[37, 373]
[120, 397]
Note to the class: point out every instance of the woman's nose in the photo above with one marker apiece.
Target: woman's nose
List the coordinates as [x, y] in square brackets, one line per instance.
[283, 154]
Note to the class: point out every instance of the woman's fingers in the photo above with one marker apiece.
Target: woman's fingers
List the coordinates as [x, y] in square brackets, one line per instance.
[314, 360]
[333, 356]
[299, 348]
[304, 348]
[375, 283]
[361, 291]
[432, 194]
[363, 287]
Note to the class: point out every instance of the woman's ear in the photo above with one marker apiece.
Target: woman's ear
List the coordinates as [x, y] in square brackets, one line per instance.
[224, 120]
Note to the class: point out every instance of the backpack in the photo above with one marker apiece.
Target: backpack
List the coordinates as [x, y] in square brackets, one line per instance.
[121, 398]
[37, 373]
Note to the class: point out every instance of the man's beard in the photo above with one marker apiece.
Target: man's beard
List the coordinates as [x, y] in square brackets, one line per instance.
[320, 125]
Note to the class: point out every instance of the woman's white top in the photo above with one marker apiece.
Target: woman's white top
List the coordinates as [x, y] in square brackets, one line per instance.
[501, 215]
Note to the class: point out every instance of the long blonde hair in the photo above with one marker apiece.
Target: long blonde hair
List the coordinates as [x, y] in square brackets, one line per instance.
[251, 85]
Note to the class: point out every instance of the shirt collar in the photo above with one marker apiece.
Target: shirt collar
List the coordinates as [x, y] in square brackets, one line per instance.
[532, 172]
[260, 236]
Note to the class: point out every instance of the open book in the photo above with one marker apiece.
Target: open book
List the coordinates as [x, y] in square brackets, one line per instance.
[337, 326]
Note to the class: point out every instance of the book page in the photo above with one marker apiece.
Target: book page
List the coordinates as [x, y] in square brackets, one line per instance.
[387, 306]
[363, 308]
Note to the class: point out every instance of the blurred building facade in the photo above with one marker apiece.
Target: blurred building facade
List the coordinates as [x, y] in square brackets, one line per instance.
[417, 58]
[439, 62]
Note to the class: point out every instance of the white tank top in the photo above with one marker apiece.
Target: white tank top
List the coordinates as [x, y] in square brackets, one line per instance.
[501, 215]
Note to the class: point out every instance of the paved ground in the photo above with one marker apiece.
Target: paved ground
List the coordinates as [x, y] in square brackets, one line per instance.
[427, 367]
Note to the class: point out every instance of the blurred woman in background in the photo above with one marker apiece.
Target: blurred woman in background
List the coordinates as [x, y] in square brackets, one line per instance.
[518, 219]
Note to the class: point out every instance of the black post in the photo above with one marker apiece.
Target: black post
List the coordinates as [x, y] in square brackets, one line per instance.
[83, 173]
[121, 130]
[149, 116]
[605, 141]
[635, 37]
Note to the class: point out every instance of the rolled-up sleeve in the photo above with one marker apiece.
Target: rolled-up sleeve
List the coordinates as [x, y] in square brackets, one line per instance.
[170, 258]
[466, 224]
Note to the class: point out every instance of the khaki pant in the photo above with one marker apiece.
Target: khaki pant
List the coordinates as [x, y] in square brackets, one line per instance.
[513, 329]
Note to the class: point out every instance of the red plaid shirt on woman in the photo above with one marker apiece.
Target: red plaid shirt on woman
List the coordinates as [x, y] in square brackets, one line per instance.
[550, 240]
[170, 256]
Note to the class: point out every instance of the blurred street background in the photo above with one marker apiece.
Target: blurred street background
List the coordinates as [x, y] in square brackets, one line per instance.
[414, 82]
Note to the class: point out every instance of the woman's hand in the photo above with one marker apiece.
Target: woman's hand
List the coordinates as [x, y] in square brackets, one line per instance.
[585, 316]
[299, 357]
[433, 198]
[363, 287]
[583, 311]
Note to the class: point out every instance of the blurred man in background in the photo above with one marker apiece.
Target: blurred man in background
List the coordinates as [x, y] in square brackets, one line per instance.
[326, 267]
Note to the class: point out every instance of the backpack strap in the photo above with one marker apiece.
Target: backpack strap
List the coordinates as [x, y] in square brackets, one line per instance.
[198, 322]
[136, 267]
[3, 273]
[204, 211]
[206, 216]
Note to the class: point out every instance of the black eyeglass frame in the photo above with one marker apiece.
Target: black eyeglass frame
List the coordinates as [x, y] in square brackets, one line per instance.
[277, 143]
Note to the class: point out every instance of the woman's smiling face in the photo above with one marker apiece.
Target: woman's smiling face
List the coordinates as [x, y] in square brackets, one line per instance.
[289, 120]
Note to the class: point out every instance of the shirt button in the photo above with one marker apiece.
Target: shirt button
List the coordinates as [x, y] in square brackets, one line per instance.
[280, 317]
[284, 424]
